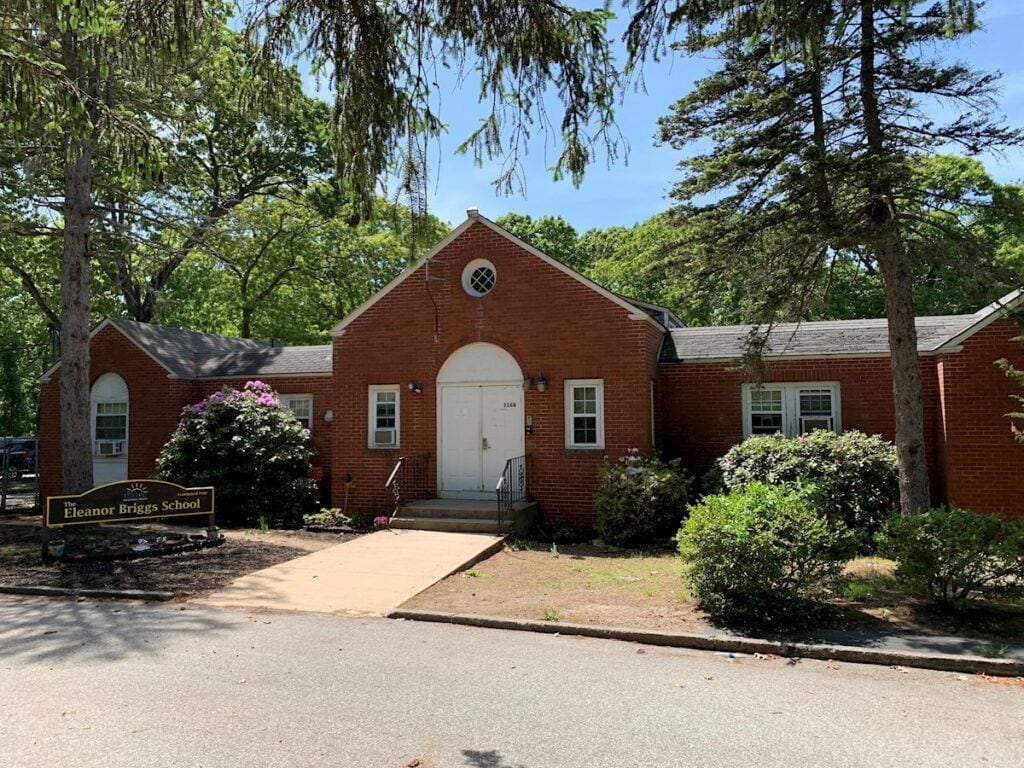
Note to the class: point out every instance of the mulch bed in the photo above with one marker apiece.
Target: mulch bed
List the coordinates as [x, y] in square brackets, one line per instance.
[186, 574]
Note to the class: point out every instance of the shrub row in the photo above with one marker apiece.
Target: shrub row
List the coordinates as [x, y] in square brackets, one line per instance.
[788, 515]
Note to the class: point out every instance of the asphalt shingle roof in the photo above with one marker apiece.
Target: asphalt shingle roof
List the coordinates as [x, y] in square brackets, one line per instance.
[832, 337]
[189, 354]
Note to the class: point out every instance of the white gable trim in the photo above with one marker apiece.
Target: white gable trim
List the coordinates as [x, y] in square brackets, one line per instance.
[631, 309]
[986, 317]
[45, 378]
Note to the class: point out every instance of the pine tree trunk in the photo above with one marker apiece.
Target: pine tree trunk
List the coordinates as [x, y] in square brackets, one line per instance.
[75, 442]
[906, 375]
[883, 224]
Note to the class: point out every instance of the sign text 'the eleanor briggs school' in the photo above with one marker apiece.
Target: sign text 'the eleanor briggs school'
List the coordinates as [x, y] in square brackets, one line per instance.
[128, 500]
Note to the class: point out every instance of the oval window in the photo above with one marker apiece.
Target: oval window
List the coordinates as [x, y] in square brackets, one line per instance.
[479, 277]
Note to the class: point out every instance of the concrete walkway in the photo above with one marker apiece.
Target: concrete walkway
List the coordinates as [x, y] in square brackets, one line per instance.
[371, 575]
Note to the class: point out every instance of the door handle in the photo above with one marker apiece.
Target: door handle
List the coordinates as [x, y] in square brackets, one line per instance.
[485, 445]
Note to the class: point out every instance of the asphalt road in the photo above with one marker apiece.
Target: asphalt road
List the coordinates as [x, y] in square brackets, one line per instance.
[88, 684]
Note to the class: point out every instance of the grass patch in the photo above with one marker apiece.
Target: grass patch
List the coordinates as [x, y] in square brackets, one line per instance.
[594, 584]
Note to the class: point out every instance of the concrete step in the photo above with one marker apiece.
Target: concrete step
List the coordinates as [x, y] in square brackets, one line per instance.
[474, 510]
[452, 524]
[465, 516]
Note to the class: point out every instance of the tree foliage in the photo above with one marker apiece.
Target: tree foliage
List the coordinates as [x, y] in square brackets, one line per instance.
[823, 116]
[383, 63]
[76, 79]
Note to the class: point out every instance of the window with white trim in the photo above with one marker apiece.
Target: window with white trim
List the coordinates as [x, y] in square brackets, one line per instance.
[792, 409]
[384, 416]
[108, 400]
[111, 421]
[302, 407]
[584, 413]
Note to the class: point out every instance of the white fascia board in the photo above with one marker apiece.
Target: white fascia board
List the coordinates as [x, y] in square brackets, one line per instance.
[263, 376]
[985, 317]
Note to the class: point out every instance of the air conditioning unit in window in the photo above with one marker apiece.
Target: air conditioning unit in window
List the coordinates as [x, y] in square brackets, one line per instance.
[383, 437]
[109, 447]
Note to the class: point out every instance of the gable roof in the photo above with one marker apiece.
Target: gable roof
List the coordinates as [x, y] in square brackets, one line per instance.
[193, 355]
[833, 338]
[636, 312]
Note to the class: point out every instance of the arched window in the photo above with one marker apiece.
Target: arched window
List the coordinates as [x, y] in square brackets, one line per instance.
[109, 401]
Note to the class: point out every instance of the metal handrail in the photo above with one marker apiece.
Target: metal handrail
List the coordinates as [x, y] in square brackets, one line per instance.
[395, 486]
[408, 480]
[512, 486]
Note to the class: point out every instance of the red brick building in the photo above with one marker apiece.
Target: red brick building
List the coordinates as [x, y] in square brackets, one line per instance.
[491, 370]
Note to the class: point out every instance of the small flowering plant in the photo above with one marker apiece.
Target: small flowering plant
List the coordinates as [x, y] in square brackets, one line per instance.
[251, 449]
[381, 521]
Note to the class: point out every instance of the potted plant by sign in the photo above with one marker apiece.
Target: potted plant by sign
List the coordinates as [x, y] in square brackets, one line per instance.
[55, 548]
[212, 534]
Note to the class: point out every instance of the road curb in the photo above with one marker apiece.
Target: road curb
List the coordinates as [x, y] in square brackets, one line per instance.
[726, 643]
[116, 594]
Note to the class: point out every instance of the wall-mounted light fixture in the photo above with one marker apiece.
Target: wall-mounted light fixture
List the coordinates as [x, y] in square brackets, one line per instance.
[414, 386]
[542, 383]
[527, 383]
[328, 416]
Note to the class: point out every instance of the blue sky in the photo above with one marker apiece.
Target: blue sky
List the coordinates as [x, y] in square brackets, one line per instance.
[634, 189]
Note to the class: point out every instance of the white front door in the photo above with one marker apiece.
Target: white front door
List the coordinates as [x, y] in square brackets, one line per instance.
[481, 429]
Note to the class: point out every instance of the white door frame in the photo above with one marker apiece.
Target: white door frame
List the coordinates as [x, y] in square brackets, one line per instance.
[479, 365]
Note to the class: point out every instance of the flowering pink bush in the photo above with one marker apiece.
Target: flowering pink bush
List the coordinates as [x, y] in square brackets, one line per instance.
[251, 449]
[381, 521]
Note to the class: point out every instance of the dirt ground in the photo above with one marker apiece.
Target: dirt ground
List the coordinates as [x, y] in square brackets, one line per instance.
[186, 574]
[580, 583]
[588, 584]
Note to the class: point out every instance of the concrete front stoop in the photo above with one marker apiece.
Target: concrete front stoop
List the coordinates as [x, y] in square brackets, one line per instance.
[465, 516]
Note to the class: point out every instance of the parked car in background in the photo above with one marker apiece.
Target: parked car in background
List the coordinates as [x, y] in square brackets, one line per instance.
[21, 455]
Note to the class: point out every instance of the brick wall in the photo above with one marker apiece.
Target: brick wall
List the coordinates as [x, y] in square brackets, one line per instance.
[985, 465]
[547, 320]
[154, 407]
[702, 407]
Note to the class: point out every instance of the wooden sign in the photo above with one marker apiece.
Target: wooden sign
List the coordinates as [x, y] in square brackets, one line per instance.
[129, 500]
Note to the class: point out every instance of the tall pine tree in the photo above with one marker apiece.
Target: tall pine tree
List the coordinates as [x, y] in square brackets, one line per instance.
[819, 116]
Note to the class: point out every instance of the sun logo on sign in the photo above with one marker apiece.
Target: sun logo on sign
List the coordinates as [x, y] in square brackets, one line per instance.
[136, 492]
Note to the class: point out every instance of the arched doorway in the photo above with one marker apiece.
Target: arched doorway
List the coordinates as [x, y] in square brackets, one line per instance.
[479, 419]
[108, 402]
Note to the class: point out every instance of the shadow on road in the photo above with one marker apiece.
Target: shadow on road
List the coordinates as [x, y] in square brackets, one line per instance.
[489, 759]
[34, 630]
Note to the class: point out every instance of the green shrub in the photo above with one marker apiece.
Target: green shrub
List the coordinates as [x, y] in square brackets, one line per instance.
[251, 449]
[639, 500]
[758, 556]
[955, 556]
[856, 474]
